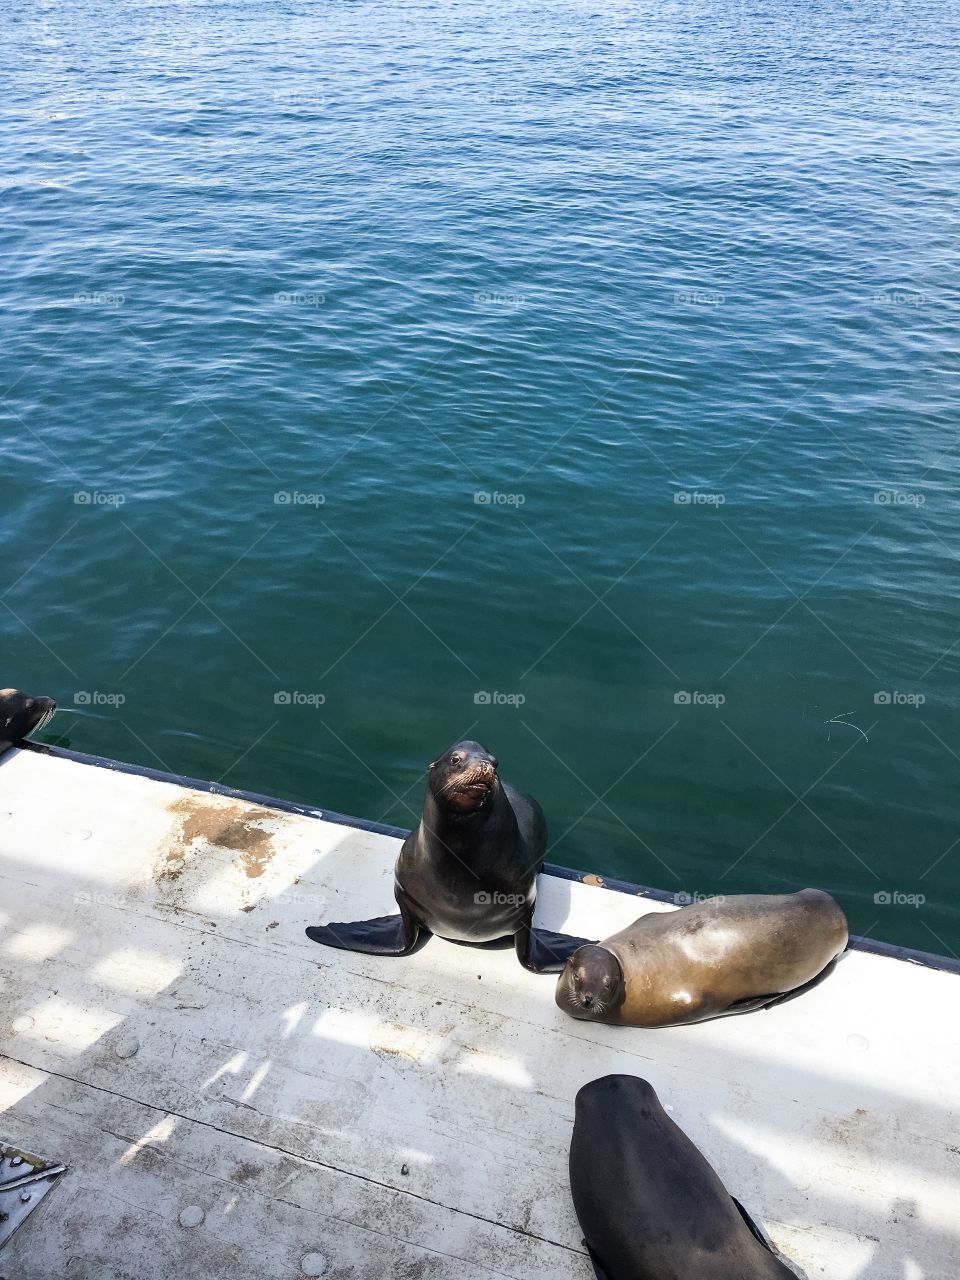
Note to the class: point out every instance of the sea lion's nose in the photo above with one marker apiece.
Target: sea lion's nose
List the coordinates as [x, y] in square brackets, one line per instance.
[587, 1000]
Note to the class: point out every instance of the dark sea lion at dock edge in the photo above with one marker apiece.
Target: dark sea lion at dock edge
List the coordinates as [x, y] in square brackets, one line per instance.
[20, 714]
[468, 872]
[649, 1204]
[718, 957]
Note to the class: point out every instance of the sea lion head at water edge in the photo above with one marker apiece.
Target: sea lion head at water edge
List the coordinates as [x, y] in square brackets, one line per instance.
[464, 779]
[591, 984]
[20, 714]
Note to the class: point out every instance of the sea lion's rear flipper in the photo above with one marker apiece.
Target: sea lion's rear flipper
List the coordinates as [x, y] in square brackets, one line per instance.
[385, 936]
[807, 986]
[773, 998]
[542, 951]
[754, 1229]
[778, 997]
[749, 1003]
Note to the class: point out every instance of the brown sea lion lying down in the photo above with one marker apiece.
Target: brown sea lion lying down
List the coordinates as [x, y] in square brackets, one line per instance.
[721, 956]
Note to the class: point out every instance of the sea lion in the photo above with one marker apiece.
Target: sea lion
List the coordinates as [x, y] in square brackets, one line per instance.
[721, 956]
[20, 714]
[650, 1206]
[468, 872]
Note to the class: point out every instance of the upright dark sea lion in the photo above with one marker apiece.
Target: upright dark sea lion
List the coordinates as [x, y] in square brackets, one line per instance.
[650, 1206]
[20, 714]
[468, 872]
[722, 956]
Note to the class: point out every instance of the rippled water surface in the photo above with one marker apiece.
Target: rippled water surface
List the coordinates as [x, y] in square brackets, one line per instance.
[581, 378]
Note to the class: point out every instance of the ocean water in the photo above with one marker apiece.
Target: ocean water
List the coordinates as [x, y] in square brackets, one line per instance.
[580, 377]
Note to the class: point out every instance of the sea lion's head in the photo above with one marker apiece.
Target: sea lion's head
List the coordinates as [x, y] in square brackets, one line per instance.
[464, 779]
[591, 984]
[20, 714]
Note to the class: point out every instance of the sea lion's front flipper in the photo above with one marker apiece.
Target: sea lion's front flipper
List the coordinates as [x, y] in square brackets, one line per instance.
[385, 936]
[542, 951]
[755, 1230]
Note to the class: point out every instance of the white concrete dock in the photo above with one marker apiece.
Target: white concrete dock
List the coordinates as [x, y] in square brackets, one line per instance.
[234, 1101]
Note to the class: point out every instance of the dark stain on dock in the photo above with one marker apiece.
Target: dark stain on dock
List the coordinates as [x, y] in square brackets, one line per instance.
[232, 826]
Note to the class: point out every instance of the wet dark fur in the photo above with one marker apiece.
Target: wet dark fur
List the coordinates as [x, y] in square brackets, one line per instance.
[20, 715]
[649, 1204]
[468, 872]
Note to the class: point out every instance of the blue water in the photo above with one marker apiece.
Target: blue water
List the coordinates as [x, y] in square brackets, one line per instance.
[673, 287]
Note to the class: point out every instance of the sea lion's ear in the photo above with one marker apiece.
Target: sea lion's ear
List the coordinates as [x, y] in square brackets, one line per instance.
[433, 764]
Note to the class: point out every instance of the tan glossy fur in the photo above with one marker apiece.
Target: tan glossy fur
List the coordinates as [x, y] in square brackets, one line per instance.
[689, 965]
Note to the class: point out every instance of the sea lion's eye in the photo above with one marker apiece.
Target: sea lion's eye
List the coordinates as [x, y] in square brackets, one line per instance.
[457, 759]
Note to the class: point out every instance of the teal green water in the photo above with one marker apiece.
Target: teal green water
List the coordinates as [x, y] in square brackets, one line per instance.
[673, 286]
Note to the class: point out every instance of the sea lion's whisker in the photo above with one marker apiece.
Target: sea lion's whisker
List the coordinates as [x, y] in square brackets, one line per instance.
[470, 779]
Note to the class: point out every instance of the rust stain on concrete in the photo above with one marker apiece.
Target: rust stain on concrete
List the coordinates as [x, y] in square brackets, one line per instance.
[234, 826]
